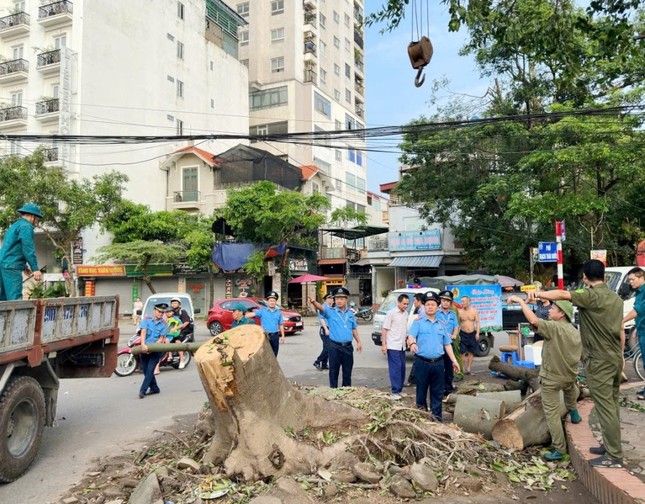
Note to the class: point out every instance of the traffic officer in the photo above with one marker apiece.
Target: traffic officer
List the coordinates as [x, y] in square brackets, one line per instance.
[342, 328]
[429, 340]
[272, 321]
[153, 330]
[17, 250]
[321, 361]
[448, 317]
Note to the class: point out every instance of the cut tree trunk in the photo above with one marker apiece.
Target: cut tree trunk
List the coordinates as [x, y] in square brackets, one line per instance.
[526, 426]
[512, 398]
[256, 412]
[478, 414]
[528, 375]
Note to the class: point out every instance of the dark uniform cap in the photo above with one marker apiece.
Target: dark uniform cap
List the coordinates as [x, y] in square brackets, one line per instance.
[162, 307]
[240, 307]
[446, 294]
[272, 294]
[340, 292]
[327, 296]
[431, 296]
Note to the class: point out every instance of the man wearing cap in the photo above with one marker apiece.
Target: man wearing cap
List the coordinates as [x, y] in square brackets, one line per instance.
[17, 250]
[185, 328]
[153, 330]
[272, 321]
[449, 318]
[559, 371]
[428, 339]
[342, 328]
[603, 342]
[321, 361]
[636, 278]
[239, 318]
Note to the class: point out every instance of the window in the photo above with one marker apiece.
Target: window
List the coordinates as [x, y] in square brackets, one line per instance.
[322, 20]
[323, 48]
[277, 7]
[244, 38]
[243, 9]
[277, 35]
[16, 98]
[321, 139]
[347, 20]
[348, 96]
[359, 158]
[170, 78]
[19, 6]
[336, 95]
[245, 62]
[323, 76]
[350, 180]
[339, 155]
[336, 17]
[179, 124]
[180, 10]
[360, 184]
[323, 165]
[336, 69]
[276, 128]
[348, 44]
[212, 66]
[348, 71]
[180, 50]
[60, 41]
[277, 64]
[170, 37]
[322, 104]
[350, 122]
[170, 117]
[336, 42]
[315, 188]
[18, 51]
[190, 183]
[180, 89]
[338, 125]
[55, 91]
[351, 155]
[212, 103]
[269, 98]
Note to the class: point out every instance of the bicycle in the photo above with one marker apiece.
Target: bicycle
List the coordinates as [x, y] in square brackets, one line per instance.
[633, 352]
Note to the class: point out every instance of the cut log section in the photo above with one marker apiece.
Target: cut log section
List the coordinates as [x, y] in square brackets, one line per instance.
[478, 414]
[512, 398]
[529, 375]
[254, 407]
[526, 426]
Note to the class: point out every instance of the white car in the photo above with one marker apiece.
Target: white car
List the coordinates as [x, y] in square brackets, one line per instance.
[165, 297]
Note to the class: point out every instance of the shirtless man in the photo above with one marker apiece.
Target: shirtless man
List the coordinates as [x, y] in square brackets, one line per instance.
[468, 332]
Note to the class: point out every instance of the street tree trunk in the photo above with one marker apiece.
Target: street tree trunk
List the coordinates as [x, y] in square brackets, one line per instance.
[256, 413]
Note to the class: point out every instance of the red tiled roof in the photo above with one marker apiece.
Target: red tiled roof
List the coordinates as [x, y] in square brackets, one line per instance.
[308, 171]
[387, 187]
[206, 156]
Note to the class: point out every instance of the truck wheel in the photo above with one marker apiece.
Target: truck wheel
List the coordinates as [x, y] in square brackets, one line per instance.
[22, 420]
[483, 347]
[126, 364]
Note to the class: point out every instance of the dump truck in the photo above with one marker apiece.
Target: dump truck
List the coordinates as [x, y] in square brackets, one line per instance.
[42, 341]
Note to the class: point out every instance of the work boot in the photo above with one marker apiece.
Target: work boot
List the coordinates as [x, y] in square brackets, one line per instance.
[575, 416]
[598, 450]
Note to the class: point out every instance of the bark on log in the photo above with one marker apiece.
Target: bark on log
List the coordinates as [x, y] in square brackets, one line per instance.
[253, 407]
[168, 347]
[512, 398]
[526, 426]
[478, 414]
[529, 375]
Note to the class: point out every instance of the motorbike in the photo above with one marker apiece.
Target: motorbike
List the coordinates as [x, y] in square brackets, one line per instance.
[127, 363]
[363, 313]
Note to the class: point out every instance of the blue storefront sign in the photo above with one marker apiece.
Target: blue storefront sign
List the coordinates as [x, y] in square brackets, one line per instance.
[547, 252]
[486, 299]
[414, 240]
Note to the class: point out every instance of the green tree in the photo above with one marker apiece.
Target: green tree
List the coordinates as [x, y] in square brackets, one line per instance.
[346, 216]
[264, 215]
[69, 205]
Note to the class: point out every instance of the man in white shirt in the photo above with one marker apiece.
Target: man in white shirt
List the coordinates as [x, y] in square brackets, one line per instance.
[393, 335]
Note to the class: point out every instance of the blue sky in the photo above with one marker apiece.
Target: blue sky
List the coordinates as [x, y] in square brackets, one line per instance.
[391, 96]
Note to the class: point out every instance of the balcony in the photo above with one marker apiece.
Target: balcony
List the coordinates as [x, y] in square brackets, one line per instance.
[359, 88]
[377, 244]
[358, 62]
[49, 62]
[311, 75]
[310, 50]
[310, 4]
[48, 110]
[14, 25]
[13, 116]
[55, 14]
[50, 155]
[360, 110]
[358, 38]
[311, 22]
[14, 71]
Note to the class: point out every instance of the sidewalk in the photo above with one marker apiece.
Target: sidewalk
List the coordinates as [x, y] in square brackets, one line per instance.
[611, 486]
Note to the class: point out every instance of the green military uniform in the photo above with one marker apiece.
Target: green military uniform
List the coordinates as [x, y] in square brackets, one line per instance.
[17, 250]
[601, 314]
[560, 357]
[242, 321]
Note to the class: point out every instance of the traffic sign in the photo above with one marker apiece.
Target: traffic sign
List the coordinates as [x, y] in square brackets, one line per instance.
[547, 252]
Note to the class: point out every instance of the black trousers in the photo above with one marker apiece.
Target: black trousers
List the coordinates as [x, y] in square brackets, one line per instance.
[324, 355]
[341, 356]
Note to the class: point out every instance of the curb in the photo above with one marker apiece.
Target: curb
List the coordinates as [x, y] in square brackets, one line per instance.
[609, 486]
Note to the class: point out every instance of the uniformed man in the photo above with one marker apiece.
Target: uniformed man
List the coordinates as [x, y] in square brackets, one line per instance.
[18, 250]
[603, 340]
[561, 354]
[153, 330]
[272, 321]
[636, 277]
[321, 362]
[449, 318]
[342, 328]
[239, 318]
[429, 340]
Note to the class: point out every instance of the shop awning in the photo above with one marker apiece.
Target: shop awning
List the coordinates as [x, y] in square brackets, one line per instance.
[356, 232]
[375, 261]
[324, 262]
[417, 261]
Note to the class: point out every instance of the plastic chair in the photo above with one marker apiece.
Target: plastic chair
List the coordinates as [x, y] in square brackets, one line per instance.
[509, 354]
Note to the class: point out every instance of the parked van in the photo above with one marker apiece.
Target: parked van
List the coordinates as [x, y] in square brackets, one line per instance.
[165, 297]
[486, 340]
[616, 280]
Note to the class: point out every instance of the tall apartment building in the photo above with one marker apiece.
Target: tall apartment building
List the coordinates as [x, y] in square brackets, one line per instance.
[306, 74]
[120, 67]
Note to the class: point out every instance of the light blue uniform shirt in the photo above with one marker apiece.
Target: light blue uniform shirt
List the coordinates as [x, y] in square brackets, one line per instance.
[450, 319]
[431, 337]
[340, 323]
[271, 319]
[155, 329]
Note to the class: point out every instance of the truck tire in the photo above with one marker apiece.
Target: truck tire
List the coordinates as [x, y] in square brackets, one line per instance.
[22, 421]
[483, 347]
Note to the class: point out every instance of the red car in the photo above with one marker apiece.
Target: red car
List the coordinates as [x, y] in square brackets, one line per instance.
[220, 316]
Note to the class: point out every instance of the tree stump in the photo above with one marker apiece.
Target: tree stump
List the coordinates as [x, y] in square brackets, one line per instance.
[254, 408]
[526, 425]
[478, 414]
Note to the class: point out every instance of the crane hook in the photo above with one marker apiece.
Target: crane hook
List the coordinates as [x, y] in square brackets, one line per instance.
[419, 79]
